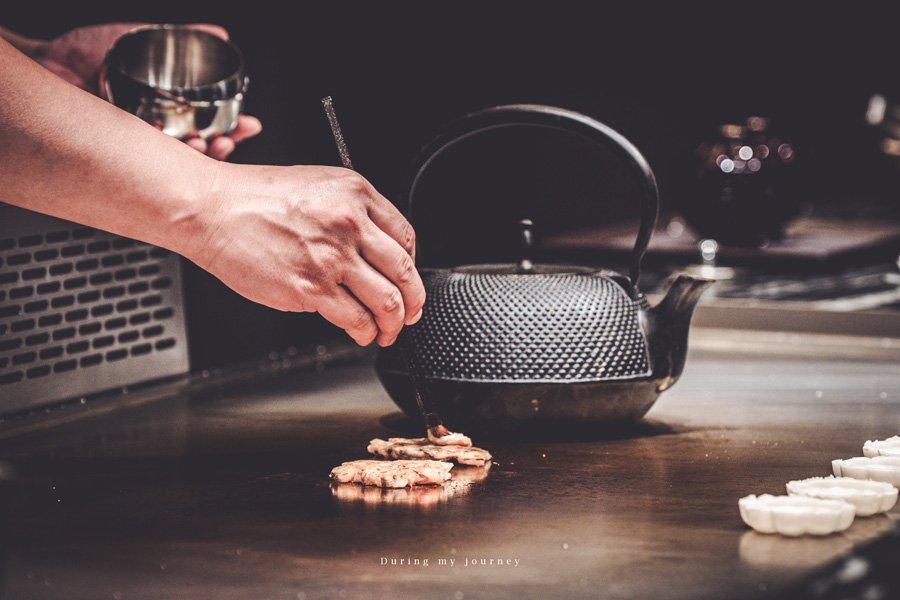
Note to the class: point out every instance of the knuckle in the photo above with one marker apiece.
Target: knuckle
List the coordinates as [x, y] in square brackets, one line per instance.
[351, 219]
[392, 302]
[359, 321]
[406, 270]
[354, 183]
[329, 260]
[308, 293]
[320, 264]
[407, 237]
[310, 282]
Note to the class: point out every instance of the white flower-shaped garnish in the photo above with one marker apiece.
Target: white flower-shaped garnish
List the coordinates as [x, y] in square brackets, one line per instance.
[796, 515]
[878, 468]
[888, 447]
[869, 497]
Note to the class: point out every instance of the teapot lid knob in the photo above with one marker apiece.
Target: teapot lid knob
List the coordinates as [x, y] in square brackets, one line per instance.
[527, 239]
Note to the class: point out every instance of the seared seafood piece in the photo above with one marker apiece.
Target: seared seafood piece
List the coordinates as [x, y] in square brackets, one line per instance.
[393, 473]
[420, 448]
[453, 439]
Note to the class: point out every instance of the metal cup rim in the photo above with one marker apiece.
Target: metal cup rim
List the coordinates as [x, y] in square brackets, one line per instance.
[224, 89]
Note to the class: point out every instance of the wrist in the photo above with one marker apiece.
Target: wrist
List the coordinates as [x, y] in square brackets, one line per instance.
[192, 220]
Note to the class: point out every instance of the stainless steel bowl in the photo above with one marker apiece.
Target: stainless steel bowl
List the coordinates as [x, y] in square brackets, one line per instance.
[186, 82]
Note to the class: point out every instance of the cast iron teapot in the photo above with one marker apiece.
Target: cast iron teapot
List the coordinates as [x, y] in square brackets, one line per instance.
[506, 345]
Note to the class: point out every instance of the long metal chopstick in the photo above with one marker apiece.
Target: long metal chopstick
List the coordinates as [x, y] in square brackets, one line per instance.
[407, 348]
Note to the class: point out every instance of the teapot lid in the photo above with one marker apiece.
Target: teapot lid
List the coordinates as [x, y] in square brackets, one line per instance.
[545, 271]
[525, 267]
[514, 269]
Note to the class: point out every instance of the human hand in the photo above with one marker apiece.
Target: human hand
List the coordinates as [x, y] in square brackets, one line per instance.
[312, 239]
[78, 56]
[221, 146]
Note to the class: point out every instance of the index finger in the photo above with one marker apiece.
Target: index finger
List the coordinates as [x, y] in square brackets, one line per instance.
[382, 253]
[390, 220]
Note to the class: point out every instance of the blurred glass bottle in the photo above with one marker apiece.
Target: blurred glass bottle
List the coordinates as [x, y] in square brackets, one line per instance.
[740, 186]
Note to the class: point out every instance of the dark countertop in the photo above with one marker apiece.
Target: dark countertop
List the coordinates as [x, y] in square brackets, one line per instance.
[224, 492]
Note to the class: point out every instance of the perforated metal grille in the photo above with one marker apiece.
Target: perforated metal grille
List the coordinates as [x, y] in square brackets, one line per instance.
[78, 306]
[529, 328]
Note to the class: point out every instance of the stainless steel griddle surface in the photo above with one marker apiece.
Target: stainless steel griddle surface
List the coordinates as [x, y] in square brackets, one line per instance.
[225, 494]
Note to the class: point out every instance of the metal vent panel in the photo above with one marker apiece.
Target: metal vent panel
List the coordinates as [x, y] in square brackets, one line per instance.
[83, 311]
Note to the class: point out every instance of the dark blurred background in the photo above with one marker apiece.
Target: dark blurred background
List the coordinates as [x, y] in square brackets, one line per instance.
[663, 77]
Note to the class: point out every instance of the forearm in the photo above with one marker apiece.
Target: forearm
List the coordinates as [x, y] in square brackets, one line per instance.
[300, 238]
[69, 154]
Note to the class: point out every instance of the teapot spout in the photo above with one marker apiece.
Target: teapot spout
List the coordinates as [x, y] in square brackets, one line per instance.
[667, 326]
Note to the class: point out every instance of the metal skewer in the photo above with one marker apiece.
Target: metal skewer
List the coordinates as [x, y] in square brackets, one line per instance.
[407, 349]
[336, 132]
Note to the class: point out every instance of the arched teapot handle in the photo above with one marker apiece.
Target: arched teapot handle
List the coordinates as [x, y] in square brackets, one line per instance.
[513, 115]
